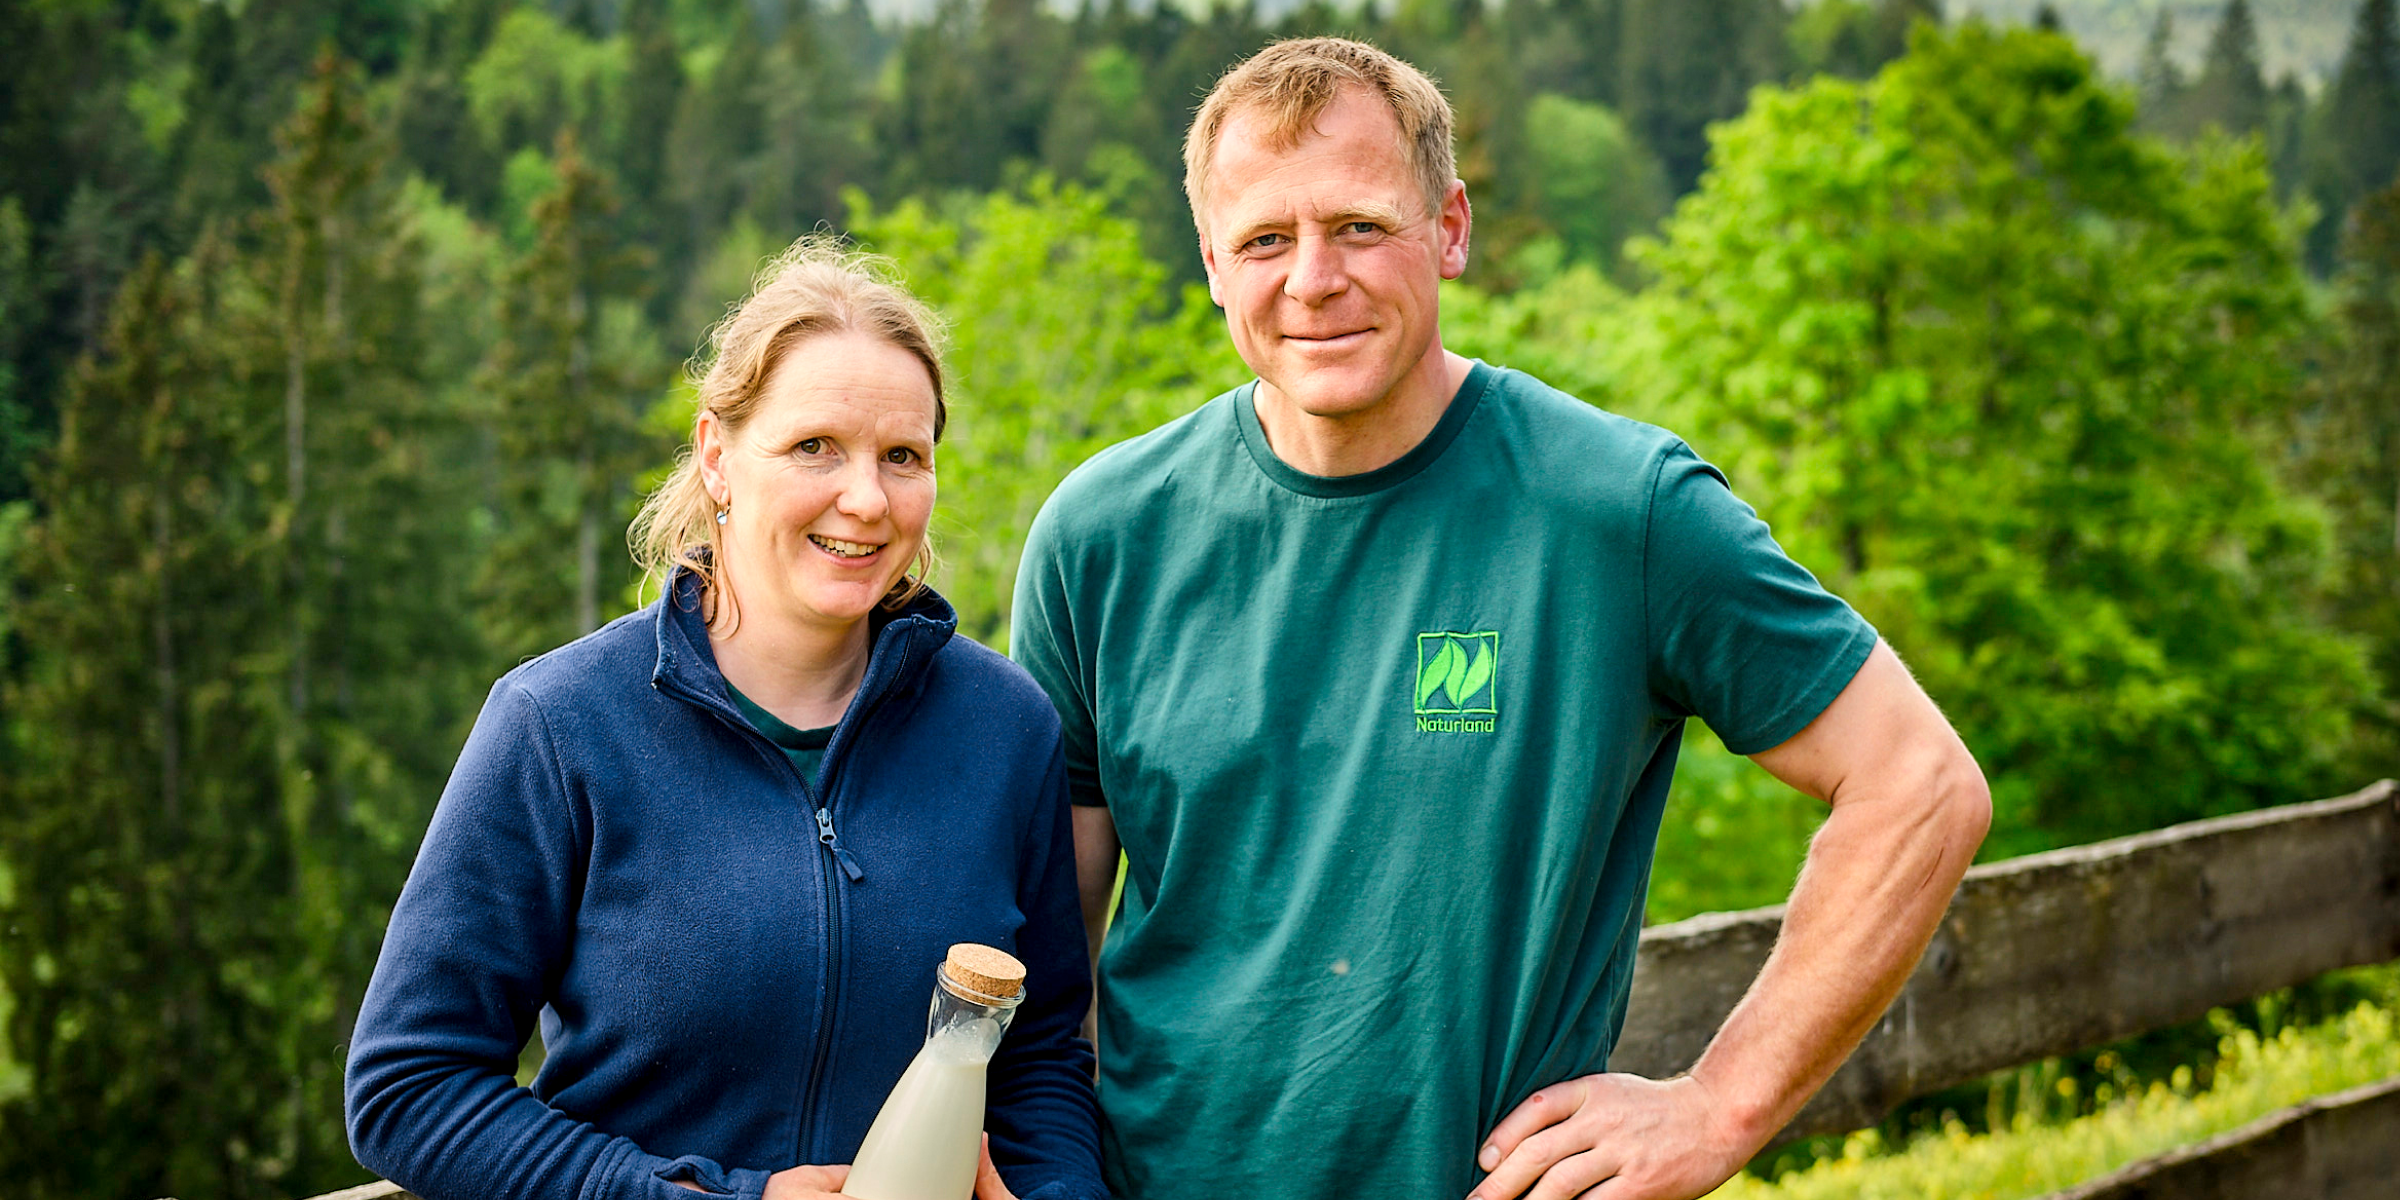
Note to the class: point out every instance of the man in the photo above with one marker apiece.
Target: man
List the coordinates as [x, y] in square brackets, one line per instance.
[1376, 669]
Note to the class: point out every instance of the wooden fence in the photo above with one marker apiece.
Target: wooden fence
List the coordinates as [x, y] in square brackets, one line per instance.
[2055, 953]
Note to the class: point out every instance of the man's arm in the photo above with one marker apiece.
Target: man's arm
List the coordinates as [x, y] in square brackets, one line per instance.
[1096, 853]
[1909, 808]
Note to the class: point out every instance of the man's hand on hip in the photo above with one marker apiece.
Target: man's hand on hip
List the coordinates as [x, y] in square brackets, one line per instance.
[1609, 1137]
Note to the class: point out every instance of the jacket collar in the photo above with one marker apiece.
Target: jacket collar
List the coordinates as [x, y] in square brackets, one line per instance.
[904, 644]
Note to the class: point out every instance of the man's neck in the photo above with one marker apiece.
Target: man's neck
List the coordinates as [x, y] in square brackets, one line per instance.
[1359, 442]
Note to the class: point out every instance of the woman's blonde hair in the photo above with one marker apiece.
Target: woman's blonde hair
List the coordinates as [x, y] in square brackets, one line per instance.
[818, 287]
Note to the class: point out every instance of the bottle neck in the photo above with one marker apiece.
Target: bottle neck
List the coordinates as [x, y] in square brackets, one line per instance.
[966, 1024]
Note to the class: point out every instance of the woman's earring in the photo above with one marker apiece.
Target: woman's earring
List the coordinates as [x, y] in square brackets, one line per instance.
[724, 515]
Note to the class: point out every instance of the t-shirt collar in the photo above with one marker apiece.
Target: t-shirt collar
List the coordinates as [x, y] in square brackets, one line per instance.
[1420, 456]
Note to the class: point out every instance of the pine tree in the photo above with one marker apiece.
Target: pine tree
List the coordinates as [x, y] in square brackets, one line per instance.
[2352, 144]
[18, 316]
[1675, 75]
[151, 961]
[653, 89]
[2362, 109]
[249, 669]
[575, 368]
[719, 129]
[367, 533]
[2355, 452]
[2231, 93]
[1893, 21]
[2162, 85]
[815, 141]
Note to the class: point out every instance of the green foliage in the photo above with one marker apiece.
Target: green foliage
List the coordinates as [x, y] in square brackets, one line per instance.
[17, 305]
[243, 581]
[2354, 140]
[2017, 382]
[1064, 340]
[570, 378]
[1683, 64]
[538, 75]
[146, 785]
[2255, 1076]
[1597, 185]
[2001, 373]
[2353, 439]
[1734, 836]
[2231, 92]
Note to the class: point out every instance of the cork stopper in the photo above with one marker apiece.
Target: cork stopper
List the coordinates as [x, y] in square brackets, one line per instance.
[984, 970]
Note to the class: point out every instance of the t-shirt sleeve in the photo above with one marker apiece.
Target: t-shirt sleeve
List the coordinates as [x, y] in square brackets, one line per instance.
[1739, 634]
[1042, 640]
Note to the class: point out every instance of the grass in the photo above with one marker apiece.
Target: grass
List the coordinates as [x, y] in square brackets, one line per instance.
[2255, 1073]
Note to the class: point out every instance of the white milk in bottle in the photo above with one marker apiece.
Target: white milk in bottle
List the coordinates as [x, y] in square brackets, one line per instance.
[928, 1136]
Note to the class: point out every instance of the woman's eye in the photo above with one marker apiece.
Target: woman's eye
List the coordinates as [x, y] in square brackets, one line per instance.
[900, 454]
[811, 446]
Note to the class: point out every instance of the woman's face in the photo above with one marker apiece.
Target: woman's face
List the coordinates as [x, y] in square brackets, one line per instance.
[830, 483]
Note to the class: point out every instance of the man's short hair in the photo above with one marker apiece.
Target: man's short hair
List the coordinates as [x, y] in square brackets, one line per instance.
[1291, 82]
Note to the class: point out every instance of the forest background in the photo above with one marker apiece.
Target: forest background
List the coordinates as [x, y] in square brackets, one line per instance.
[338, 342]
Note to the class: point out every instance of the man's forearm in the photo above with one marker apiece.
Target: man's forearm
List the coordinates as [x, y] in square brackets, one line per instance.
[1879, 876]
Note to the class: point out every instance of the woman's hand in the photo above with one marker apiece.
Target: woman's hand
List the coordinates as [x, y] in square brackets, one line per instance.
[825, 1183]
[987, 1177]
[807, 1183]
[802, 1183]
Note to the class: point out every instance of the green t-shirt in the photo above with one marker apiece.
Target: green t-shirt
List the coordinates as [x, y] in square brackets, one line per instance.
[1388, 754]
[805, 747]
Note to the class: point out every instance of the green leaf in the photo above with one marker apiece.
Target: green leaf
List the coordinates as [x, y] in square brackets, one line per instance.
[1458, 674]
[1432, 675]
[1478, 673]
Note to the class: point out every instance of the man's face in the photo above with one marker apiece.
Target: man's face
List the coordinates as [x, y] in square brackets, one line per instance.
[1325, 259]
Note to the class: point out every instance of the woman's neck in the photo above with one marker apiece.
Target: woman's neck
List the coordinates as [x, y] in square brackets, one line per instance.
[804, 674]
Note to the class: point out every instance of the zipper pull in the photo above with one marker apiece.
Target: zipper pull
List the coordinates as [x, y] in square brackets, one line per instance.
[825, 836]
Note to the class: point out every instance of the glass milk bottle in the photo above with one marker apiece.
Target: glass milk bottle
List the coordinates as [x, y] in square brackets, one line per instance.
[927, 1140]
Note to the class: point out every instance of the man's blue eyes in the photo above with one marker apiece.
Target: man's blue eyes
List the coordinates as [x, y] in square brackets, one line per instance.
[1269, 240]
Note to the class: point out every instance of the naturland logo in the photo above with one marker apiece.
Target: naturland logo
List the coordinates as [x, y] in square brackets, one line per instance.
[1458, 682]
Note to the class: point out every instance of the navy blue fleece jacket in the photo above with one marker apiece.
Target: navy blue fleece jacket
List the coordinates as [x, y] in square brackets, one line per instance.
[730, 966]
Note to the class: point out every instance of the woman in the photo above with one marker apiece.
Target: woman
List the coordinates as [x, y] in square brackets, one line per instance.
[719, 845]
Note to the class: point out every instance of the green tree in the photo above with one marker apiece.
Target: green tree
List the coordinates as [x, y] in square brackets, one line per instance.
[149, 953]
[1839, 37]
[2355, 441]
[2231, 93]
[575, 368]
[2163, 87]
[653, 90]
[1683, 64]
[2001, 372]
[719, 131]
[367, 533]
[19, 293]
[815, 140]
[251, 662]
[1065, 339]
[2357, 133]
[1597, 186]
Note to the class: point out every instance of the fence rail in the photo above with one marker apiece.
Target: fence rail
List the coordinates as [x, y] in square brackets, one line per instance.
[2345, 1146]
[2059, 952]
